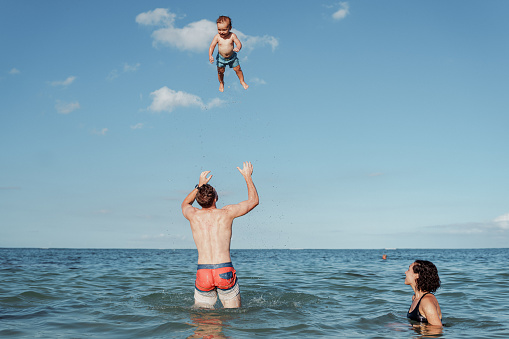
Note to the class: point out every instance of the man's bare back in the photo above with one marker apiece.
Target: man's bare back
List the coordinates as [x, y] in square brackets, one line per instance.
[212, 232]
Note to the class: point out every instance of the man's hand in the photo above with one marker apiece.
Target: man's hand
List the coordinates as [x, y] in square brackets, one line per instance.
[252, 201]
[247, 171]
[204, 179]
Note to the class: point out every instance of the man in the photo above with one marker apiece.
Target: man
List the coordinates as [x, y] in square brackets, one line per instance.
[212, 233]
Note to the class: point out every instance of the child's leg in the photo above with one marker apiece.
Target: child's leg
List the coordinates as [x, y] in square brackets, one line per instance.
[241, 76]
[220, 76]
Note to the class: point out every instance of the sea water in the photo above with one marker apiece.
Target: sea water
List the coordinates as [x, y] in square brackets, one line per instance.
[80, 293]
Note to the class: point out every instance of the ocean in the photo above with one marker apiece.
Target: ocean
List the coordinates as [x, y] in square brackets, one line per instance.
[96, 293]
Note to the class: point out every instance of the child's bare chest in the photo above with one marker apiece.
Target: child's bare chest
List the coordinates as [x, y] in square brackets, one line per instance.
[225, 42]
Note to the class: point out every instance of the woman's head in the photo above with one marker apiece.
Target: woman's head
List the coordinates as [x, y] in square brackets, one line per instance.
[426, 275]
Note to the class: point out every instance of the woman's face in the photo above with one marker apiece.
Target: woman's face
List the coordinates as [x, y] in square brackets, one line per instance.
[410, 276]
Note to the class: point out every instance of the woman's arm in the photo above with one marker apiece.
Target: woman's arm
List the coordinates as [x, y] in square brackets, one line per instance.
[430, 310]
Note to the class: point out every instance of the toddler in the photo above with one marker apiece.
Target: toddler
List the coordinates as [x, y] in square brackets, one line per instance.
[228, 46]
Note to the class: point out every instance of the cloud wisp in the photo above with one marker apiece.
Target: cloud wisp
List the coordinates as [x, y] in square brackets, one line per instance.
[126, 68]
[499, 225]
[166, 100]
[63, 83]
[195, 36]
[138, 126]
[66, 107]
[102, 131]
[342, 12]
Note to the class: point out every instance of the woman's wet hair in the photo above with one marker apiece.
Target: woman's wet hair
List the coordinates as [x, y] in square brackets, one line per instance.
[428, 276]
[206, 195]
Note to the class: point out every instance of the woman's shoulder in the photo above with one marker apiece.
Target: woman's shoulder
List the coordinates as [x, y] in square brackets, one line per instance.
[429, 299]
[430, 309]
[429, 296]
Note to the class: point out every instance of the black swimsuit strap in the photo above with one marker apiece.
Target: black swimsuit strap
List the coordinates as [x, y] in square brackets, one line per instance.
[419, 302]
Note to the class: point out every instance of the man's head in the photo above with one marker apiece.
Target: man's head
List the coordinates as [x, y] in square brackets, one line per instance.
[206, 196]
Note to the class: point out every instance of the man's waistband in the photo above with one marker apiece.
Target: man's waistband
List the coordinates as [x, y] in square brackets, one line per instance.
[214, 266]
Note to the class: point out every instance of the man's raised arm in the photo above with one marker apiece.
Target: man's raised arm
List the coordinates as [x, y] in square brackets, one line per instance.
[252, 195]
[187, 204]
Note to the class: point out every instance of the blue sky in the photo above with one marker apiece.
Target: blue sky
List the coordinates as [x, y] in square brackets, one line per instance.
[370, 124]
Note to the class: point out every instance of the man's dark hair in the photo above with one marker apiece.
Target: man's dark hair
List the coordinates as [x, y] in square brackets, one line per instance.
[206, 195]
[428, 276]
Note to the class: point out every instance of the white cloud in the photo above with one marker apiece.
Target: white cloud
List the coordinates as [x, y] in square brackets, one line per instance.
[502, 221]
[166, 99]
[216, 102]
[137, 126]
[66, 107]
[14, 71]
[159, 16]
[499, 225]
[342, 12]
[65, 82]
[196, 36]
[100, 132]
[252, 42]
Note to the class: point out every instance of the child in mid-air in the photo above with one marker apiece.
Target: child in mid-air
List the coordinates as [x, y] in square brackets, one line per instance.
[227, 50]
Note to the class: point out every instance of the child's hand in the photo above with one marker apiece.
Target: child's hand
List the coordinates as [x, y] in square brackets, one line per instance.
[211, 58]
[236, 49]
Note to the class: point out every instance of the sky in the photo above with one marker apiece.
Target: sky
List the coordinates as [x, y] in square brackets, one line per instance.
[370, 124]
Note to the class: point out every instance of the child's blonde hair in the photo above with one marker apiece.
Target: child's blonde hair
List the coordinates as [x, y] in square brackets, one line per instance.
[223, 18]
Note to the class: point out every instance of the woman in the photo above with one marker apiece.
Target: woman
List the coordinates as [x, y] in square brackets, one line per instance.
[422, 276]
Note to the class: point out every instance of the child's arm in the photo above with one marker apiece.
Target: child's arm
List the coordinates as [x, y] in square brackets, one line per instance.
[212, 47]
[238, 44]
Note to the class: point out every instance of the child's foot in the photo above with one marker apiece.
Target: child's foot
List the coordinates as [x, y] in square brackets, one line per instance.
[244, 85]
[221, 87]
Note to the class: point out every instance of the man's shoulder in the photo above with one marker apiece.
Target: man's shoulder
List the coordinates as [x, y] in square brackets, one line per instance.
[188, 211]
[209, 210]
[222, 210]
